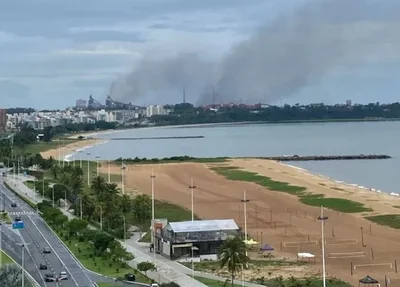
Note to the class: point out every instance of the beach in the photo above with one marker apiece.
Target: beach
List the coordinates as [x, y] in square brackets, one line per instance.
[65, 150]
[284, 222]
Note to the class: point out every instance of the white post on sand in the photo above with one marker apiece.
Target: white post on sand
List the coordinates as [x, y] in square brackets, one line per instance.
[322, 218]
[153, 217]
[192, 187]
[245, 200]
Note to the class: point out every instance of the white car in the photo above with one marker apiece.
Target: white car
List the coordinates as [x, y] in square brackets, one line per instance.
[154, 285]
[63, 275]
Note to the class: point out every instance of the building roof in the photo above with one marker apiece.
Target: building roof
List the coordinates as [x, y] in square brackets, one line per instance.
[203, 225]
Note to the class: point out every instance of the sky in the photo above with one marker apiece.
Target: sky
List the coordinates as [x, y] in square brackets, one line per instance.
[54, 52]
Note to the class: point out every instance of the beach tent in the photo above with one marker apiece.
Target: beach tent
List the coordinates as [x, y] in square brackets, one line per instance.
[266, 247]
[367, 280]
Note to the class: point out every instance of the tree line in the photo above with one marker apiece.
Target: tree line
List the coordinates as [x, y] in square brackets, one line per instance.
[188, 114]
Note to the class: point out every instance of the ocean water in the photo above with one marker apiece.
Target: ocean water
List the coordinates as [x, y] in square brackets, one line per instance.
[243, 140]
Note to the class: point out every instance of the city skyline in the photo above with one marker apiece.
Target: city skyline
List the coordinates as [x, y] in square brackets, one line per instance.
[84, 50]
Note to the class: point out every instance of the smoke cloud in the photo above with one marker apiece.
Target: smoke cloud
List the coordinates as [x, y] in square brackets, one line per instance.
[295, 51]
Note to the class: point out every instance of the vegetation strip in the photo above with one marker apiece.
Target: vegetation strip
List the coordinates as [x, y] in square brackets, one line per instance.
[389, 220]
[337, 204]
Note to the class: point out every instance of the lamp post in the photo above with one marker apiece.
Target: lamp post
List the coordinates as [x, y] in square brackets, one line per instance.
[88, 169]
[22, 263]
[153, 216]
[59, 152]
[322, 218]
[192, 187]
[109, 171]
[241, 268]
[43, 189]
[245, 201]
[97, 165]
[124, 228]
[81, 207]
[34, 189]
[80, 159]
[122, 178]
[73, 157]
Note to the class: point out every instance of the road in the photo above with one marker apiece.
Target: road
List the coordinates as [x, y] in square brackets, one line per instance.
[35, 236]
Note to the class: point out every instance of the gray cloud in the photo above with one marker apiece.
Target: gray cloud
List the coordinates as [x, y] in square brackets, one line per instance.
[293, 52]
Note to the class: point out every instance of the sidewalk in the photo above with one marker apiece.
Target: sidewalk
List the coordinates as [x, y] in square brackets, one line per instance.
[164, 274]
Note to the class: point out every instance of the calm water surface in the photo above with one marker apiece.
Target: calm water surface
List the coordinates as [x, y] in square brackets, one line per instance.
[276, 139]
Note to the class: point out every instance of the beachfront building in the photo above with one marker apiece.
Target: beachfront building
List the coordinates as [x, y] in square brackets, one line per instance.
[177, 239]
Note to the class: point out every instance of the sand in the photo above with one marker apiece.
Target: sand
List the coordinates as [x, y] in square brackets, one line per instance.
[279, 219]
[70, 148]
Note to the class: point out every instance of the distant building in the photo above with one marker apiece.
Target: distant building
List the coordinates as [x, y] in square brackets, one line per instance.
[3, 120]
[81, 104]
[348, 103]
[155, 110]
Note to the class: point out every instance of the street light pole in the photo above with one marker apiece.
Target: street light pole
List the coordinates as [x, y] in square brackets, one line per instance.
[97, 165]
[153, 216]
[124, 228]
[322, 218]
[245, 201]
[80, 159]
[122, 178]
[80, 203]
[88, 170]
[65, 200]
[109, 172]
[192, 187]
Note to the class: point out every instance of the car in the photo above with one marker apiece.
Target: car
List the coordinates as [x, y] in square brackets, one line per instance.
[13, 204]
[46, 250]
[50, 278]
[154, 285]
[130, 277]
[42, 266]
[17, 219]
[63, 275]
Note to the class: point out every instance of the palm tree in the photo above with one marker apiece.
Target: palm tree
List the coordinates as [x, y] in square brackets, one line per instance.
[232, 255]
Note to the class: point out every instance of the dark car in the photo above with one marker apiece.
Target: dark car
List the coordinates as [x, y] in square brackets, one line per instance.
[50, 278]
[42, 266]
[17, 219]
[46, 250]
[130, 277]
[13, 204]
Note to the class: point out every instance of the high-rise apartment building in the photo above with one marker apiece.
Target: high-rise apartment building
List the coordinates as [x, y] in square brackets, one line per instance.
[3, 120]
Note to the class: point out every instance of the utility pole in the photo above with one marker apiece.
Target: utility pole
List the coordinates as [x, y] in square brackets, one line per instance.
[109, 172]
[88, 170]
[184, 95]
[322, 218]
[122, 178]
[53, 194]
[192, 187]
[153, 216]
[245, 201]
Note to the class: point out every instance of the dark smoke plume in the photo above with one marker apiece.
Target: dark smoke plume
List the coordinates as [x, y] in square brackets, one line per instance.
[282, 58]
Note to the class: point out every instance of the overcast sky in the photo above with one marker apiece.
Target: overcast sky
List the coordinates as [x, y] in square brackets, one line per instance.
[54, 52]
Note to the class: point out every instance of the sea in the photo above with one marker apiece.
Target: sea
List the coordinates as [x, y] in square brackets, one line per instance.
[257, 140]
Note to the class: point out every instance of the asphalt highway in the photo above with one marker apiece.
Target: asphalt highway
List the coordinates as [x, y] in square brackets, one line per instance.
[35, 236]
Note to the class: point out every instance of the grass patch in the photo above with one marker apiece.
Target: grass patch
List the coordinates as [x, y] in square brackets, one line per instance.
[390, 220]
[103, 265]
[214, 283]
[41, 146]
[234, 173]
[323, 184]
[311, 282]
[396, 206]
[30, 203]
[337, 204]
[114, 178]
[5, 217]
[5, 259]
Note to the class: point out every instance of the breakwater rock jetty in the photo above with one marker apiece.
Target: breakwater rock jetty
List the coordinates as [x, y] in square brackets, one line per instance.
[327, 157]
[156, 138]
